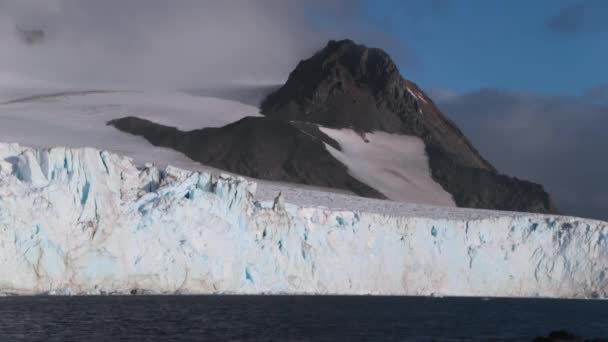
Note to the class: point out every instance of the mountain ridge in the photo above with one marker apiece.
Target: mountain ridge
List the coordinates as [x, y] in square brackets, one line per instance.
[347, 85]
[350, 86]
[257, 147]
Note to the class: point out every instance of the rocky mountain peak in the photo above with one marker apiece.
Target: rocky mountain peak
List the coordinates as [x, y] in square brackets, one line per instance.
[341, 86]
[347, 85]
[369, 66]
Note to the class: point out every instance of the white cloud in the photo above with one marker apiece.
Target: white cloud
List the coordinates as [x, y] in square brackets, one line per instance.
[158, 42]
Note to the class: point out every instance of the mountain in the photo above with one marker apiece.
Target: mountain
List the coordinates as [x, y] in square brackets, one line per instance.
[258, 147]
[351, 86]
[346, 119]
[346, 85]
[30, 37]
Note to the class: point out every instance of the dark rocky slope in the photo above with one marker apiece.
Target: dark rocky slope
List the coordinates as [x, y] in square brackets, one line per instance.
[257, 147]
[346, 85]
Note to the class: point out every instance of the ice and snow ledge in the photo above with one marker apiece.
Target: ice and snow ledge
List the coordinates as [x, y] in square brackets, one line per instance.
[81, 221]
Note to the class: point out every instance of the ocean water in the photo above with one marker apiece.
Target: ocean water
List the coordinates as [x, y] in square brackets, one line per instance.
[295, 318]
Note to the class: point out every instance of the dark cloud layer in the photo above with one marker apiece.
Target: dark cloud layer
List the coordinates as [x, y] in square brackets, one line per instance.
[185, 43]
[195, 43]
[168, 42]
[172, 42]
[583, 16]
[598, 94]
[559, 142]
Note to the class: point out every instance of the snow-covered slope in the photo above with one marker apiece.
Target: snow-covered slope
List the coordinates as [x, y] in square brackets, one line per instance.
[85, 221]
[78, 118]
[394, 164]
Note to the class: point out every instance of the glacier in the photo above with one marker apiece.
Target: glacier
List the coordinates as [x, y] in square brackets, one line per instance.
[84, 221]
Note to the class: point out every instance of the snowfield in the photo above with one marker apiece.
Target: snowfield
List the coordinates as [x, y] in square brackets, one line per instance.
[84, 221]
[394, 164]
[78, 118]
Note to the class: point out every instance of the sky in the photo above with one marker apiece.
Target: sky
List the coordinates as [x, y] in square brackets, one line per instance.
[527, 81]
[551, 47]
[545, 46]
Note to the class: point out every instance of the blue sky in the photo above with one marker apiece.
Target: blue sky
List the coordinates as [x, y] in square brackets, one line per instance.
[471, 44]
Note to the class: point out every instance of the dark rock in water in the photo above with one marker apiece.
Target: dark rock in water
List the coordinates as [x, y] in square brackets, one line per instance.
[257, 147]
[346, 85]
[562, 335]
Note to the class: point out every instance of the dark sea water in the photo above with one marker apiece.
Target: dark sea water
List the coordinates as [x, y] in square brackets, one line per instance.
[292, 318]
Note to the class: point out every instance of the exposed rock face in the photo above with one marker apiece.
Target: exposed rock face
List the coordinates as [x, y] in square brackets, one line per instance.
[257, 147]
[480, 188]
[351, 86]
[346, 85]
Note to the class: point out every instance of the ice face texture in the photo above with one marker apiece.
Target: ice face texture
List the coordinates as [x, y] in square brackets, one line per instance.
[84, 221]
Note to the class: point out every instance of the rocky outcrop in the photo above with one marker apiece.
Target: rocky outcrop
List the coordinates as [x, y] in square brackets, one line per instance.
[346, 85]
[258, 147]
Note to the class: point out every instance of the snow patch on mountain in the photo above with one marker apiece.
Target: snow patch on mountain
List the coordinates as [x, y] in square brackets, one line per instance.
[411, 93]
[84, 221]
[394, 164]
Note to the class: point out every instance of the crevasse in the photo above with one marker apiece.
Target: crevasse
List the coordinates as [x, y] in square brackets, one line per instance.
[83, 221]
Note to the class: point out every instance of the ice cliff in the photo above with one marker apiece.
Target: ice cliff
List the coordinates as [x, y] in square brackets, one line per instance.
[83, 221]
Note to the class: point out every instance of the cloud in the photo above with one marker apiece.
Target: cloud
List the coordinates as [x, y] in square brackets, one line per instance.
[597, 94]
[182, 43]
[584, 16]
[155, 41]
[559, 142]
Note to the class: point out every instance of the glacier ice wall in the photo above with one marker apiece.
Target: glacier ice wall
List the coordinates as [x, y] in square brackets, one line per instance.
[83, 221]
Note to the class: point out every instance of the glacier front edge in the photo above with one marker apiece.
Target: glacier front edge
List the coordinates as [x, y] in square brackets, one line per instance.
[83, 221]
